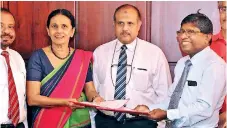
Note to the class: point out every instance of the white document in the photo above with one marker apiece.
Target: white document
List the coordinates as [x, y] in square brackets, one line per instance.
[113, 104]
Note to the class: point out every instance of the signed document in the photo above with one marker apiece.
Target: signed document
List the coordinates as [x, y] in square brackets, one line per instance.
[112, 105]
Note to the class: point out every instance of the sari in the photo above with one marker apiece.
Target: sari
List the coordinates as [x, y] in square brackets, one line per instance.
[65, 81]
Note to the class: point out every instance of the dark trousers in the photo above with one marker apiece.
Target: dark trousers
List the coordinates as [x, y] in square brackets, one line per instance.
[104, 121]
[20, 125]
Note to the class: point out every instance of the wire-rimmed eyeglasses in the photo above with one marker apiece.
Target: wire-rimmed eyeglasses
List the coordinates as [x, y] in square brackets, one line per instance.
[188, 32]
[128, 65]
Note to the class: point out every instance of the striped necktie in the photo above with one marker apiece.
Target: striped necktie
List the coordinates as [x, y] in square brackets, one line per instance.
[175, 97]
[13, 110]
[121, 81]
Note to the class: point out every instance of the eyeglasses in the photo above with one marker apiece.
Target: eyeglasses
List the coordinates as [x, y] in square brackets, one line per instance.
[188, 32]
[222, 9]
[116, 65]
[129, 68]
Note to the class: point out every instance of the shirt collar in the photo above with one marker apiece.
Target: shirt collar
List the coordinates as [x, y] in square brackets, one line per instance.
[200, 55]
[217, 37]
[1, 50]
[130, 46]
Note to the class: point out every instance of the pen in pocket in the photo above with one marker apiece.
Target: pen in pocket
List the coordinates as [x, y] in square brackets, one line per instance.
[142, 69]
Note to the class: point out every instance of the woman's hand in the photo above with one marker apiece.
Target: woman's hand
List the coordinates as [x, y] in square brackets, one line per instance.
[98, 99]
[70, 103]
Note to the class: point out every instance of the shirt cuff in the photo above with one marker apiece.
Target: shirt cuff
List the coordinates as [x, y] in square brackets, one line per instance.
[173, 114]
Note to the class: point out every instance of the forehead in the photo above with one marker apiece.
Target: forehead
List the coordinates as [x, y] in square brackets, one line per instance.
[127, 12]
[189, 26]
[60, 19]
[222, 3]
[7, 18]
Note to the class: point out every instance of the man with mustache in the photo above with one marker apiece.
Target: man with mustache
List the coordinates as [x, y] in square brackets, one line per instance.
[129, 68]
[12, 73]
[198, 91]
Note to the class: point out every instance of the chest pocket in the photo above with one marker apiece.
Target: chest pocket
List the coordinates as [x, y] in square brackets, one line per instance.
[140, 77]
[191, 87]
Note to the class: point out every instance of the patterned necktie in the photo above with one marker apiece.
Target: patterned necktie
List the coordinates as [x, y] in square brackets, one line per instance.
[121, 81]
[175, 98]
[13, 110]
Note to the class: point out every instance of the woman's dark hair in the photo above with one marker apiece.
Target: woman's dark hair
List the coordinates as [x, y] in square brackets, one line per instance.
[62, 12]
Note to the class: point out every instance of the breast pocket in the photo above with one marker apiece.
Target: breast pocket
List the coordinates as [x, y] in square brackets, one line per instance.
[140, 79]
[191, 88]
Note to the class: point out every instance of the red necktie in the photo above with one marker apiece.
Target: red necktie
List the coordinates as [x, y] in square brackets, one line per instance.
[13, 111]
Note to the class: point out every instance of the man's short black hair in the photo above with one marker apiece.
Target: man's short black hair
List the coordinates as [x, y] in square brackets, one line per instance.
[125, 6]
[200, 21]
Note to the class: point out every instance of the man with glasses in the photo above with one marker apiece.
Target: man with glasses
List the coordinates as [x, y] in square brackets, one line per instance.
[129, 68]
[219, 46]
[198, 90]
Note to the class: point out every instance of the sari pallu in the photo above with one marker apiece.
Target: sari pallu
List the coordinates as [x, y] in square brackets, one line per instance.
[66, 81]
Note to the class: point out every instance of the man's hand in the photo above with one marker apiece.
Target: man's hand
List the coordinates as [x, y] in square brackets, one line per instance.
[222, 120]
[157, 114]
[141, 108]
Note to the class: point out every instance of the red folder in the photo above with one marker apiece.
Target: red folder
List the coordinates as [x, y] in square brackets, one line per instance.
[121, 109]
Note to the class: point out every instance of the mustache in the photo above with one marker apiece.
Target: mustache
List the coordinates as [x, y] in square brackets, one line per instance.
[124, 32]
[6, 35]
[185, 40]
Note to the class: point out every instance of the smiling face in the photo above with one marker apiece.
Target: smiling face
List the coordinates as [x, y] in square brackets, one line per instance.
[8, 34]
[127, 25]
[60, 29]
[192, 43]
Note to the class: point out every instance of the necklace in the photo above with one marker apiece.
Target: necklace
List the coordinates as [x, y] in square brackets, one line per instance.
[58, 56]
[127, 64]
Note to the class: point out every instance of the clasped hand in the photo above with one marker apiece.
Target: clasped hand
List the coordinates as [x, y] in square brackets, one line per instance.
[71, 103]
[155, 114]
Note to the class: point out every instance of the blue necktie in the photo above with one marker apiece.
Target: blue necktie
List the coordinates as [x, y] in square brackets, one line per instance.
[175, 97]
[121, 81]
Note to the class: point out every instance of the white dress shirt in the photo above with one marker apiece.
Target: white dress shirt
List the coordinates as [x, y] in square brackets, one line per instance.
[19, 74]
[148, 78]
[199, 104]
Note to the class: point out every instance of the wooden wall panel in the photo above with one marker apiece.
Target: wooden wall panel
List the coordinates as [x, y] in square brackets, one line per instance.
[4, 4]
[95, 22]
[23, 43]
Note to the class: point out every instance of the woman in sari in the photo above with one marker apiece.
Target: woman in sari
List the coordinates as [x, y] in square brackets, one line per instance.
[59, 75]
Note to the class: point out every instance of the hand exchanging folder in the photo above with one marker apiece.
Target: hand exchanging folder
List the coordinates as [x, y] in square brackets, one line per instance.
[112, 105]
